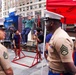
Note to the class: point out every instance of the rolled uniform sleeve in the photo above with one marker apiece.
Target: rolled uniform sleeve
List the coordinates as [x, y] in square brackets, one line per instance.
[4, 58]
[64, 49]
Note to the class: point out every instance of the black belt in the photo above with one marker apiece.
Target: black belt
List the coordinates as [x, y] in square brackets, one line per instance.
[59, 72]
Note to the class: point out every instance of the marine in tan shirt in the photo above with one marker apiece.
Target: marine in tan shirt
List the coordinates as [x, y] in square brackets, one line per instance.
[5, 67]
[60, 48]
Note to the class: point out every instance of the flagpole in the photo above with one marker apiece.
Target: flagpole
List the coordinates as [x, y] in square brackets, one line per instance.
[43, 45]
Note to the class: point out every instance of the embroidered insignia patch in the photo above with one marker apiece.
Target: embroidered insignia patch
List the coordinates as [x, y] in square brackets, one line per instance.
[64, 50]
[5, 55]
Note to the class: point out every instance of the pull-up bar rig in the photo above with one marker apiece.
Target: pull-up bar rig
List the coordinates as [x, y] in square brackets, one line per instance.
[35, 59]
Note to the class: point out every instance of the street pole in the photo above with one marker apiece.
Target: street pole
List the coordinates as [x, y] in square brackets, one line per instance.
[43, 45]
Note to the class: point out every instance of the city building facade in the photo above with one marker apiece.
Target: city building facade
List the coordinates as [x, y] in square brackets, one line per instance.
[24, 7]
[0, 13]
[0, 9]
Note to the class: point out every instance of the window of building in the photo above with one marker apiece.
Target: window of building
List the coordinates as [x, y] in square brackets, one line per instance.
[30, 7]
[45, 5]
[35, 6]
[5, 13]
[20, 9]
[8, 4]
[23, 3]
[30, 1]
[28, 13]
[23, 8]
[27, 7]
[27, 2]
[23, 14]
[36, 0]
[39, 5]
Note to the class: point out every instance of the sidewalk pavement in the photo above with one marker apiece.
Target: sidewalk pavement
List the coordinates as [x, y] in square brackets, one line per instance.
[23, 70]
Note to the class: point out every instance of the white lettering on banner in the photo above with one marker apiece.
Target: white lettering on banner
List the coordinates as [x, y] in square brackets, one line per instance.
[9, 20]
